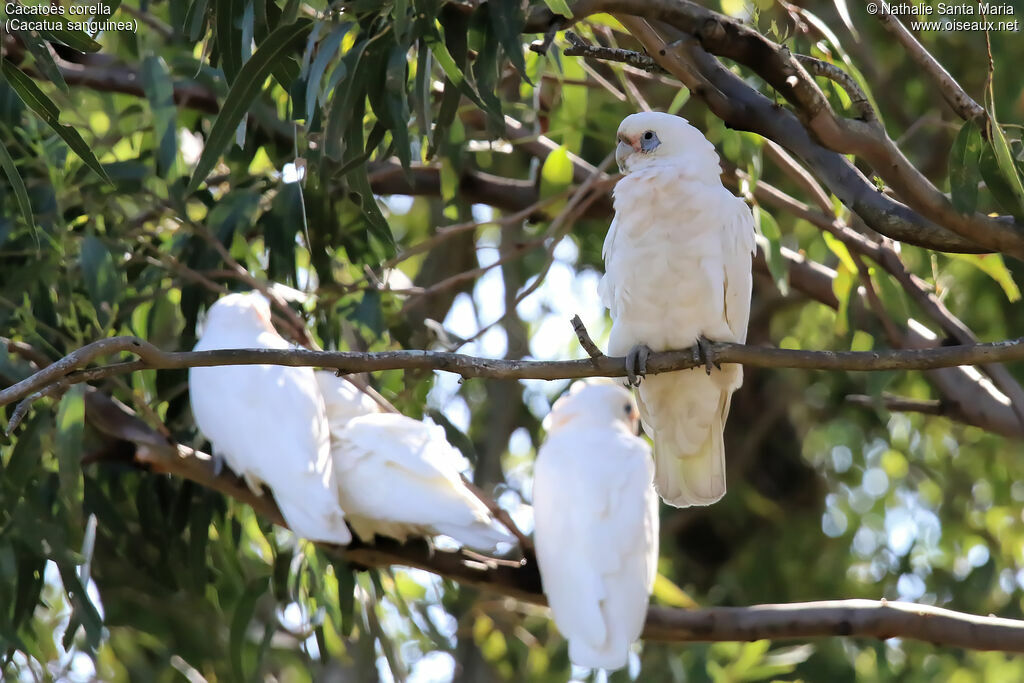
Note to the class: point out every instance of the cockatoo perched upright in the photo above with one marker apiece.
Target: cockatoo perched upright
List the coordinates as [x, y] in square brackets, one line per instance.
[596, 522]
[399, 477]
[677, 271]
[268, 422]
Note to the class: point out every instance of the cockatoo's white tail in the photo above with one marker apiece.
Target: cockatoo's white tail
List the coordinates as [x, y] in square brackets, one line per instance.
[687, 424]
[268, 422]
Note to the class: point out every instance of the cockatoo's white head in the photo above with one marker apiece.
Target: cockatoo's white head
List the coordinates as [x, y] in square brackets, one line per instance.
[598, 401]
[248, 313]
[652, 139]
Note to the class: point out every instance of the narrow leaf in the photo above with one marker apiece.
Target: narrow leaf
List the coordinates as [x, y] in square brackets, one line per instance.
[964, 169]
[44, 107]
[20, 192]
[43, 59]
[156, 81]
[242, 93]
[1004, 160]
[559, 7]
[244, 609]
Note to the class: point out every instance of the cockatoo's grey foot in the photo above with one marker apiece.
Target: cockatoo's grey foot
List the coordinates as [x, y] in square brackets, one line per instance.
[706, 354]
[217, 460]
[636, 364]
[254, 484]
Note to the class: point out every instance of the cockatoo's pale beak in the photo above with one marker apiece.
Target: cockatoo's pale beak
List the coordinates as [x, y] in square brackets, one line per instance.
[625, 147]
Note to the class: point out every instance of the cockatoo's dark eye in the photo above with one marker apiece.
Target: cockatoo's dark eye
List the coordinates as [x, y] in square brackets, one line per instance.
[628, 409]
[649, 141]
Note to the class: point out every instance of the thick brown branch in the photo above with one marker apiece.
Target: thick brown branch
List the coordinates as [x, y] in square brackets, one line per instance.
[470, 366]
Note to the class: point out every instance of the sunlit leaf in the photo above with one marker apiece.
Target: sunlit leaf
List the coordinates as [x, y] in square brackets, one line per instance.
[993, 266]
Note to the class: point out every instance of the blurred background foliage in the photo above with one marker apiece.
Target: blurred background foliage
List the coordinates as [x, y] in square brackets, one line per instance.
[339, 137]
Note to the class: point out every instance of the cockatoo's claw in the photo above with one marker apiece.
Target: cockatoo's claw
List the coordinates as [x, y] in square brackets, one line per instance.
[636, 364]
[218, 464]
[707, 354]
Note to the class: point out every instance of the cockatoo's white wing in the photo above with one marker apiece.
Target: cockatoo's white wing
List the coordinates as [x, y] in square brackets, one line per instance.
[397, 476]
[343, 400]
[595, 534]
[269, 424]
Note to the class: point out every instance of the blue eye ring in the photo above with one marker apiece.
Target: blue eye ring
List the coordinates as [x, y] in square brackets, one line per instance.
[649, 141]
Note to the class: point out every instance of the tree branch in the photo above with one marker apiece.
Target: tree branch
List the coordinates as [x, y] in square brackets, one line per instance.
[68, 368]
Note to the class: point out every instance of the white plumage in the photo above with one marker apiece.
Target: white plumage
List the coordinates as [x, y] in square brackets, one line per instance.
[399, 477]
[268, 422]
[677, 267]
[596, 522]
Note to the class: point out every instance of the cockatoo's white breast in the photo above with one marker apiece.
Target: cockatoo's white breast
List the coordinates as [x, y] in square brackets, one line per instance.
[667, 257]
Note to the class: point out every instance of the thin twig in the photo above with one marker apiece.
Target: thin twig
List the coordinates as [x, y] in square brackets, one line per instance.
[585, 341]
[900, 404]
[499, 513]
[858, 100]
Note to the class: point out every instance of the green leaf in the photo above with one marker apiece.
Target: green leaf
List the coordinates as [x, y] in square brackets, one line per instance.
[103, 280]
[559, 7]
[993, 266]
[964, 169]
[43, 59]
[76, 40]
[507, 22]
[327, 49]
[555, 177]
[195, 19]
[346, 595]
[156, 81]
[1004, 160]
[997, 184]
[45, 108]
[83, 611]
[20, 192]
[842, 287]
[244, 609]
[670, 594]
[227, 29]
[242, 93]
[840, 250]
[777, 264]
[68, 443]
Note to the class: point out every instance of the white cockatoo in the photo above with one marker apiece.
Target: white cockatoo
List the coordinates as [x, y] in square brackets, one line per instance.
[678, 271]
[596, 522]
[399, 477]
[268, 422]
